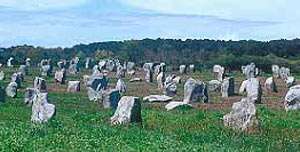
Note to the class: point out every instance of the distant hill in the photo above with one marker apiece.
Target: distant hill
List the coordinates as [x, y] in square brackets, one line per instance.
[203, 53]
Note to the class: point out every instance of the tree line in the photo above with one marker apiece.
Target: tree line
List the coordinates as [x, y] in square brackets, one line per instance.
[203, 53]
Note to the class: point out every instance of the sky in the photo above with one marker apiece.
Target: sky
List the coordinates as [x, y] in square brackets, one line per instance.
[64, 23]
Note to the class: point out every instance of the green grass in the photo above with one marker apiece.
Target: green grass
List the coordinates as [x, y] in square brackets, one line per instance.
[81, 125]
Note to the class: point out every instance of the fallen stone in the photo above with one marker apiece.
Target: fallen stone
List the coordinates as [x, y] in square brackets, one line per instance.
[158, 98]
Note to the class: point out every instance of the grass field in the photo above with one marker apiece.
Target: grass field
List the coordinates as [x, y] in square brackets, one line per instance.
[81, 125]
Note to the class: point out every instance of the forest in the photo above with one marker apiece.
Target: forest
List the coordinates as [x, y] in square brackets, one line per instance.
[203, 53]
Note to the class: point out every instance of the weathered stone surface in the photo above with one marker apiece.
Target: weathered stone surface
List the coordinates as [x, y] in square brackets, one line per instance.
[135, 80]
[253, 89]
[176, 104]
[18, 78]
[62, 64]
[195, 90]
[121, 72]
[2, 75]
[95, 87]
[111, 99]
[30, 95]
[128, 111]
[292, 98]
[290, 81]
[46, 70]
[284, 73]
[242, 117]
[42, 111]
[177, 79]
[227, 87]
[250, 71]
[101, 65]
[182, 69]
[218, 71]
[158, 98]
[73, 68]
[110, 65]
[28, 62]
[88, 63]
[73, 86]
[60, 76]
[9, 62]
[121, 86]
[130, 67]
[270, 85]
[2, 95]
[275, 70]
[161, 78]
[23, 69]
[11, 89]
[214, 85]
[40, 84]
[149, 75]
[96, 71]
[192, 68]
[170, 86]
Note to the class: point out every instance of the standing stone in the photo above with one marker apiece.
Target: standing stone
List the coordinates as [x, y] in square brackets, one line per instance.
[121, 86]
[111, 99]
[74, 68]
[73, 86]
[250, 71]
[11, 89]
[275, 70]
[42, 111]
[160, 80]
[227, 87]
[18, 78]
[214, 85]
[2, 75]
[2, 95]
[62, 64]
[130, 66]
[96, 71]
[128, 111]
[149, 75]
[253, 89]
[270, 85]
[194, 90]
[9, 62]
[95, 87]
[110, 65]
[121, 71]
[102, 64]
[182, 69]
[218, 72]
[243, 116]
[87, 63]
[284, 73]
[292, 98]
[46, 70]
[290, 81]
[85, 79]
[60, 76]
[192, 68]
[40, 84]
[170, 86]
[23, 69]
[28, 62]
[30, 95]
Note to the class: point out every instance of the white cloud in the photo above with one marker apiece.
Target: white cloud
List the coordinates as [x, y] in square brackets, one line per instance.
[230, 9]
[33, 5]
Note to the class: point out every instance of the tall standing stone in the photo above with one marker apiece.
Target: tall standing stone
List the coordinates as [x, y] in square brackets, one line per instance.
[170, 86]
[253, 89]
[275, 70]
[242, 117]
[60, 76]
[28, 62]
[111, 99]
[121, 86]
[23, 69]
[161, 78]
[128, 111]
[40, 84]
[195, 90]
[11, 89]
[182, 69]
[270, 85]
[42, 111]
[227, 87]
[95, 87]
[218, 72]
[9, 62]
